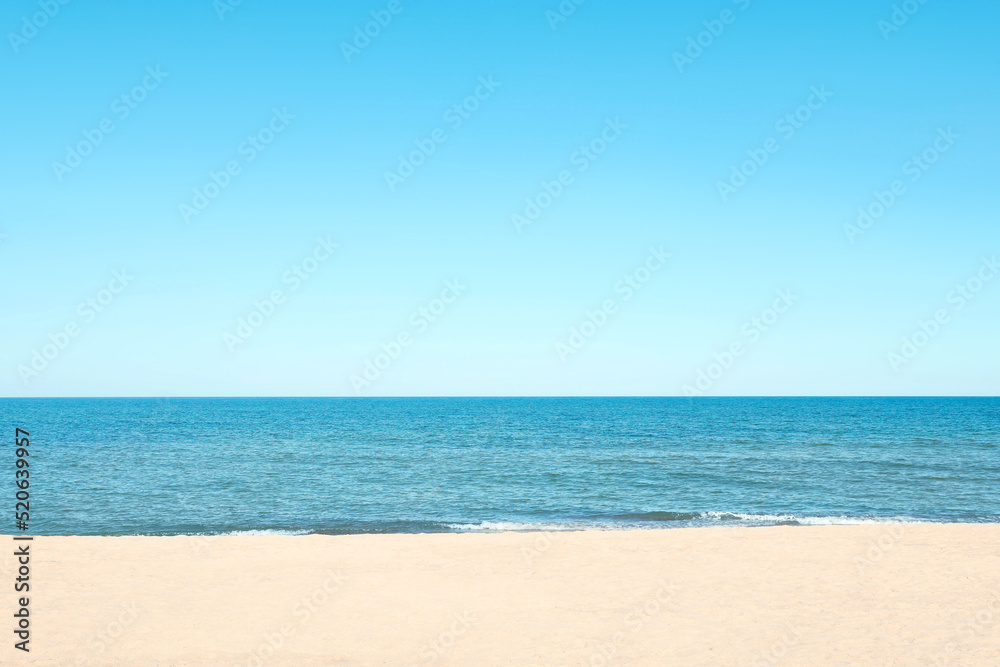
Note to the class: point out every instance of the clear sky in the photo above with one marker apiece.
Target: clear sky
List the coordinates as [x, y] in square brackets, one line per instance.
[573, 226]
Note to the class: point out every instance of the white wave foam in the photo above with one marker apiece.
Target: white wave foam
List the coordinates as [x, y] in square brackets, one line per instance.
[268, 531]
[501, 526]
[812, 520]
[703, 519]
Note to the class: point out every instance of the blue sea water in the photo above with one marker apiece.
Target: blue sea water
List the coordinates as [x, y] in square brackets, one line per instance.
[346, 465]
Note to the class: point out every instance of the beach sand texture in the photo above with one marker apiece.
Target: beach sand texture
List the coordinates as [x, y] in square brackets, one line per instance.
[815, 595]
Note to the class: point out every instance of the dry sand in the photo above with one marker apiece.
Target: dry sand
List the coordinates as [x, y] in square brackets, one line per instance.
[828, 595]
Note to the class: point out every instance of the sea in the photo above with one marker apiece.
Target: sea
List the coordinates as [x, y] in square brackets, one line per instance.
[168, 466]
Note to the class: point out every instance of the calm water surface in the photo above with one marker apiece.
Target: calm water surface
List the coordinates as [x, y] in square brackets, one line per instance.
[166, 466]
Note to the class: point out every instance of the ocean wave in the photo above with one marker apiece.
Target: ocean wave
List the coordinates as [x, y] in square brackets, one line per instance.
[651, 520]
[256, 532]
[629, 521]
[809, 520]
[660, 516]
[514, 526]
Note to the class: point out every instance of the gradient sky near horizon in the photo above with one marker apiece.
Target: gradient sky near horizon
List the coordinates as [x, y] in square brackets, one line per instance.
[682, 130]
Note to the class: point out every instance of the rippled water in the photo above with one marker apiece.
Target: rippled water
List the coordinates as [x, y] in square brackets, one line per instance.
[163, 466]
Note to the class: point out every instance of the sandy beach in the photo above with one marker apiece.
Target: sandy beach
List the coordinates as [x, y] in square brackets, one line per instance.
[827, 595]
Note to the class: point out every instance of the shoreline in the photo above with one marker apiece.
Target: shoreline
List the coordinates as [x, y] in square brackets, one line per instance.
[549, 527]
[543, 528]
[715, 595]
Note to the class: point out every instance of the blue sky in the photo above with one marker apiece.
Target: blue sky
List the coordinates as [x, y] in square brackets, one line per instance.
[640, 137]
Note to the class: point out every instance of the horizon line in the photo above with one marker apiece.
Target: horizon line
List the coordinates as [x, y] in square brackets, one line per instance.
[554, 396]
